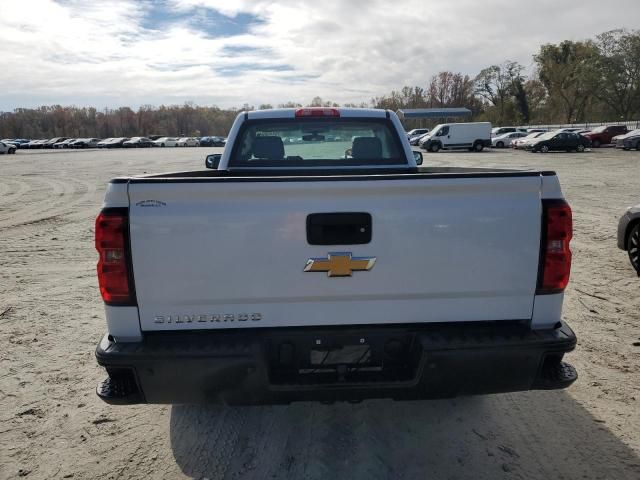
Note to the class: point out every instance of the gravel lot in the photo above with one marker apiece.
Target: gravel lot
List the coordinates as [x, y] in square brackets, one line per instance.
[53, 426]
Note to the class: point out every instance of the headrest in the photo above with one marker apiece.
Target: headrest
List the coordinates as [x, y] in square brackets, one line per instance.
[268, 148]
[366, 148]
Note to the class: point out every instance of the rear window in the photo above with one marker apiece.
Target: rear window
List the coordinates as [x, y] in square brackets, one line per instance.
[333, 142]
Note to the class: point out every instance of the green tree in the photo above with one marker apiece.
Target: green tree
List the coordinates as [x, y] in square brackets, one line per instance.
[537, 101]
[569, 72]
[619, 69]
[497, 85]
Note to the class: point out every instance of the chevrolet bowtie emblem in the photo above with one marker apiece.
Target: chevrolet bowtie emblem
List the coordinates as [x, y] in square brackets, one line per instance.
[339, 264]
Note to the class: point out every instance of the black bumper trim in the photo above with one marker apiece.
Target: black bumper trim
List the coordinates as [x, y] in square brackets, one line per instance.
[245, 367]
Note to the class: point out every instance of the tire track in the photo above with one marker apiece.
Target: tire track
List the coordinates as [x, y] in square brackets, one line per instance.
[25, 209]
[8, 198]
[56, 197]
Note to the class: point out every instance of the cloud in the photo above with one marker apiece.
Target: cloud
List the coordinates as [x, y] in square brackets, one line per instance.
[112, 53]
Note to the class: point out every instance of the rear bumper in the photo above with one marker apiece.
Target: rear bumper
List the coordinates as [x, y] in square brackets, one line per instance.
[272, 366]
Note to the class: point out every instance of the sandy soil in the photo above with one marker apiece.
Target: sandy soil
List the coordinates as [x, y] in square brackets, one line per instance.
[53, 426]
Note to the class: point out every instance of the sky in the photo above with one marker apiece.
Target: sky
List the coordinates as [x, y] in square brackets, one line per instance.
[228, 53]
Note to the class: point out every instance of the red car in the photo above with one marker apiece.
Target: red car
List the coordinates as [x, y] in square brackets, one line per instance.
[604, 134]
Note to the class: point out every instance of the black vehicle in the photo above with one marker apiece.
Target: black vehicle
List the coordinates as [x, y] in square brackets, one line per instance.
[213, 142]
[138, 142]
[559, 141]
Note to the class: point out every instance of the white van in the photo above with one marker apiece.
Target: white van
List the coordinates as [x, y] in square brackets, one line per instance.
[472, 136]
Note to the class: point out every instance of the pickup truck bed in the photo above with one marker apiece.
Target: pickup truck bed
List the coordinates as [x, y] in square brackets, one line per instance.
[253, 286]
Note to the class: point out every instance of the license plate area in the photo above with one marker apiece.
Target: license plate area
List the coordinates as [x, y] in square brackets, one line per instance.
[343, 357]
[346, 355]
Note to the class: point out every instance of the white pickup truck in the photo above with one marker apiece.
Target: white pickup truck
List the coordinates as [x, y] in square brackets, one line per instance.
[320, 261]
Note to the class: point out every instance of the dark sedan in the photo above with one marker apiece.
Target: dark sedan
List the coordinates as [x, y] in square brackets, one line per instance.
[629, 235]
[559, 141]
[213, 142]
[138, 142]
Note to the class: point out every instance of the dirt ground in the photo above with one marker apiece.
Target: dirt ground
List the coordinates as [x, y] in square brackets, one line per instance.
[53, 426]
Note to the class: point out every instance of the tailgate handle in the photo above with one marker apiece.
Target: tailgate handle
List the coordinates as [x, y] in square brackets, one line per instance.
[344, 228]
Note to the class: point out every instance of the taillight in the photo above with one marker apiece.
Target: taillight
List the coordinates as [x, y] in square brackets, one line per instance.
[112, 235]
[555, 256]
[317, 112]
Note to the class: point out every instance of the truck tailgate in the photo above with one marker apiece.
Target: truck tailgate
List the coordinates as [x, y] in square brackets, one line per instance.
[232, 254]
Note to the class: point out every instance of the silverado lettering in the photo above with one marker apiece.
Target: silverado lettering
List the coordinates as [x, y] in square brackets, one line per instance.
[203, 318]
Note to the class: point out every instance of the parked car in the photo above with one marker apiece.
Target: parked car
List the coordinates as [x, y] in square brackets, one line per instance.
[166, 142]
[629, 235]
[473, 136]
[628, 141]
[51, 142]
[18, 142]
[138, 142]
[84, 143]
[415, 140]
[504, 140]
[578, 130]
[558, 141]
[521, 143]
[34, 144]
[7, 148]
[216, 141]
[27, 145]
[537, 130]
[103, 143]
[416, 132]
[188, 142]
[497, 131]
[116, 142]
[603, 135]
[64, 143]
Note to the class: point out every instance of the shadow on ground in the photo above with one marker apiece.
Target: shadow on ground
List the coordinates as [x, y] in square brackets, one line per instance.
[528, 435]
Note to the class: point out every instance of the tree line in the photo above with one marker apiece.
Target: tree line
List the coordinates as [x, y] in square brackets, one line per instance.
[572, 82]
[596, 80]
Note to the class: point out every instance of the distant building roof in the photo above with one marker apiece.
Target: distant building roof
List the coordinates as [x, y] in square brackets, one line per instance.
[433, 112]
